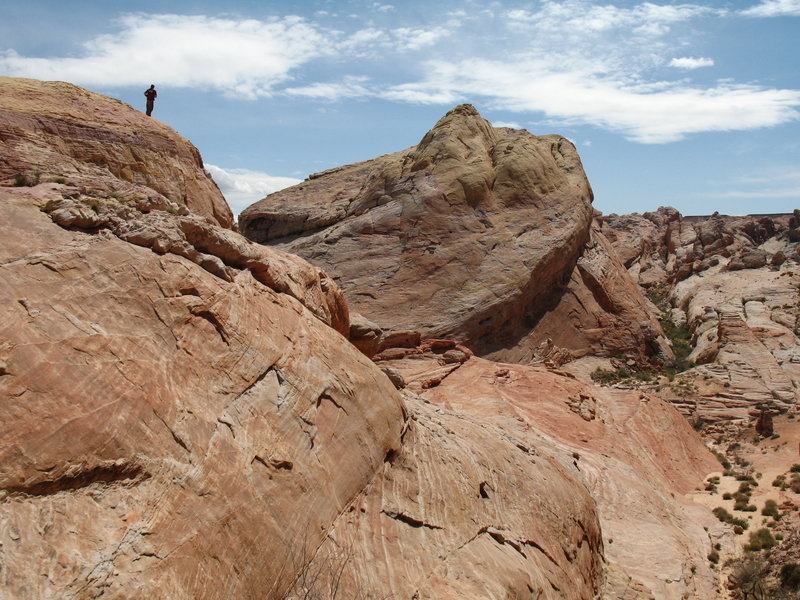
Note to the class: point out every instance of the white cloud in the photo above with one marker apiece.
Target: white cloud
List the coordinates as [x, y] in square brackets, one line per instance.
[664, 112]
[242, 187]
[349, 87]
[599, 74]
[571, 62]
[416, 39]
[691, 63]
[511, 124]
[245, 58]
[774, 8]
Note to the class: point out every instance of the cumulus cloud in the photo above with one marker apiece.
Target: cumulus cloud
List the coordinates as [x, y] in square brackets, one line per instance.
[691, 63]
[242, 187]
[349, 87]
[659, 113]
[569, 61]
[601, 74]
[246, 58]
[774, 8]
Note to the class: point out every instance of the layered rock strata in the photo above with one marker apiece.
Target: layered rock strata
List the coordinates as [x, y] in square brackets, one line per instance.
[167, 421]
[733, 281]
[610, 443]
[478, 233]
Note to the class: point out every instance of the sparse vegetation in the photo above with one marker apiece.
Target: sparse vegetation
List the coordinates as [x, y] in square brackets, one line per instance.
[761, 539]
[723, 460]
[790, 576]
[26, 180]
[747, 578]
[771, 510]
[726, 517]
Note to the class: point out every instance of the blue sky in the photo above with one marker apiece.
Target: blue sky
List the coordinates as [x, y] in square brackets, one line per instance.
[691, 105]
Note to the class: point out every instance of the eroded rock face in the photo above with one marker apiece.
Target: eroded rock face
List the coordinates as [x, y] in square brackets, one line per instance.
[470, 232]
[610, 443]
[168, 421]
[55, 131]
[477, 234]
[734, 281]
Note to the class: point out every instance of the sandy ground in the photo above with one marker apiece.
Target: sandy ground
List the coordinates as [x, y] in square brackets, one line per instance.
[769, 458]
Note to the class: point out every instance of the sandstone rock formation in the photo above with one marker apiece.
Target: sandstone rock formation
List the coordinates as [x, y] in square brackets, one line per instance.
[185, 416]
[478, 233]
[55, 131]
[611, 442]
[735, 282]
[167, 421]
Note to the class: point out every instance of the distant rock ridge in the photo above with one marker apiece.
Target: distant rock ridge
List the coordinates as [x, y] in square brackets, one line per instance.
[735, 282]
[479, 234]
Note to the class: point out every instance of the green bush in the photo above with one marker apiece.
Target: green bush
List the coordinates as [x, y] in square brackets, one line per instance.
[795, 468]
[713, 557]
[761, 540]
[771, 510]
[722, 514]
[723, 460]
[739, 522]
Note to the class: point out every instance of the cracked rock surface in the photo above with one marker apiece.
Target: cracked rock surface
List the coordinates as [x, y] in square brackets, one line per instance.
[160, 421]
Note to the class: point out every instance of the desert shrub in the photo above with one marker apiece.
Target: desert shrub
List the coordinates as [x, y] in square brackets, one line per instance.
[761, 540]
[723, 460]
[739, 522]
[727, 496]
[713, 557]
[790, 576]
[747, 578]
[771, 510]
[795, 468]
[608, 377]
[23, 180]
[722, 514]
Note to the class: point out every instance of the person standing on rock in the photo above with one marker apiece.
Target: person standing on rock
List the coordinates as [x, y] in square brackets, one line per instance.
[151, 95]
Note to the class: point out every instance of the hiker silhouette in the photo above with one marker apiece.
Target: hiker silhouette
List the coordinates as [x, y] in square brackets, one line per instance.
[151, 97]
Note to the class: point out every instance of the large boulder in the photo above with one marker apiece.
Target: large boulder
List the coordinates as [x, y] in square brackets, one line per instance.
[55, 131]
[476, 234]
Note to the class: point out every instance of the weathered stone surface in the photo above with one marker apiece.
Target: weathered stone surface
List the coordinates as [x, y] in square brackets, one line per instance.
[481, 234]
[57, 131]
[467, 509]
[163, 424]
[601, 313]
[734, 282]
[612, 442]
[473, 232]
